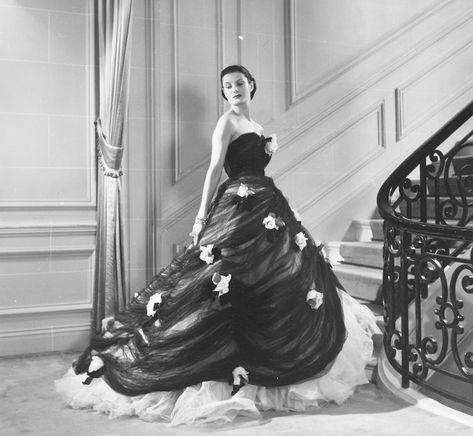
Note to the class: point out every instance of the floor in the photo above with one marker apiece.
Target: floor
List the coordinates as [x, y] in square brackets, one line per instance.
[30, 406]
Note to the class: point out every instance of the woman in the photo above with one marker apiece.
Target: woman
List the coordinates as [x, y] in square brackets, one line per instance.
[249, 318]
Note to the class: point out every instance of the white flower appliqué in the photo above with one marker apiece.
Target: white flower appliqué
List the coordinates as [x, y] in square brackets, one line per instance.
[272, 222]
[222, 283]
[238, 372]
[243, 198]
[314, 299]
[244, 191]
[301, 240]
[271, 144]
[151, 306]
[95, 364]
[107, 323]
[206, 253]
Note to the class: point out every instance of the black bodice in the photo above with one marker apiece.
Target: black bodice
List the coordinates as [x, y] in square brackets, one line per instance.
[246, 156]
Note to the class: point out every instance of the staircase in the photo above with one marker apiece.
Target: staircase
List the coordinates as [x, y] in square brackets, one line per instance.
[358, 264]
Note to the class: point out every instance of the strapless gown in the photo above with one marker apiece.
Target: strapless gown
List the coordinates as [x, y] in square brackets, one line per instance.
[256, 293]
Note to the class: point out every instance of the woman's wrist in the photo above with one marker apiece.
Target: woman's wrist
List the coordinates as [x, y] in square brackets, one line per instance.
[201, 220]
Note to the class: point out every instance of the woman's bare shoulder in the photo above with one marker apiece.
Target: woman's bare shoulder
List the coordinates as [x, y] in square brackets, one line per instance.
[258, 128]
[224, 128]
[225, 125]
[227, 119]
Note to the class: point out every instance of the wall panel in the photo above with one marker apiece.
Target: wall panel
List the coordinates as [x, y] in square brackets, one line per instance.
[47, 174]
[440, 82]
[327, 39]
[327, 74]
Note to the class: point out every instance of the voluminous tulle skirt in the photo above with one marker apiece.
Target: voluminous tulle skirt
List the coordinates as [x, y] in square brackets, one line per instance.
[256, 293]
[210, 402]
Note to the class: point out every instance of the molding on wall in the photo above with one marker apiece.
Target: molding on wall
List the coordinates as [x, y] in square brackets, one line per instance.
[220, 48]
[288, 50]
[295, 96]
[356, 167]
[53, 229]
[87, 252]
[428, 41]
[37, 331]
[183, 212]
[351, 189]
[238, 21]
[30, 252]
[176, 92]
[152, 206]
[178, 173]
[89, 202]
[44, 339]
[401, 128]
[370, 81]
[48, 205]
[86, 307]
[48, 230]
[330, 110]
[377, 109]
[350, 193]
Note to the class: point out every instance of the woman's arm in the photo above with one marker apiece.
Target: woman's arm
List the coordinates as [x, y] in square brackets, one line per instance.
[220, 140]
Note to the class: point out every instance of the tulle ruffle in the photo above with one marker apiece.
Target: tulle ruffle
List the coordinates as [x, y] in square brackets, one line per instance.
[211, 402]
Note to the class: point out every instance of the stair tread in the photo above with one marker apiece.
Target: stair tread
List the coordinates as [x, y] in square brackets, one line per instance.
[360, 281]
[376, 308]
[363, 253]
[367, 271]
[367, 244]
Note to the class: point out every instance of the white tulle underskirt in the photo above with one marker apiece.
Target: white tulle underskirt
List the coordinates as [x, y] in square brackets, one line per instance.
[211, 402]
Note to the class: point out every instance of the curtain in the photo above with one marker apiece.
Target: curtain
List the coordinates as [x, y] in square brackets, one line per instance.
[114, 21]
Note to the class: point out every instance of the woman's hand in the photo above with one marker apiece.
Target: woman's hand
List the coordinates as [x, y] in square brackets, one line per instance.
[197, 229]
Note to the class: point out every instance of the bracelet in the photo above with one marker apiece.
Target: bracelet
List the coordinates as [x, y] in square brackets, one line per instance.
[202, 221]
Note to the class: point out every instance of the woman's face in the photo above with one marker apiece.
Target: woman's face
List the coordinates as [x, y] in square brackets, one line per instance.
[236, 88]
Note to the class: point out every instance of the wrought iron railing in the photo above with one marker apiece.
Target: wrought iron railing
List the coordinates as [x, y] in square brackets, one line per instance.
[427, 205]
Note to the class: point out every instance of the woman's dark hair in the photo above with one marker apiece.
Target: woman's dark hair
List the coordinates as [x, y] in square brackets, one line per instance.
[238, 69]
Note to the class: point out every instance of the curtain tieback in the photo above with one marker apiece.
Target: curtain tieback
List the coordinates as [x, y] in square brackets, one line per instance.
[109, 156]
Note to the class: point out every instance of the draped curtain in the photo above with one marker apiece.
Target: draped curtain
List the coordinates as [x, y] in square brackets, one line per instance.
[114, 22]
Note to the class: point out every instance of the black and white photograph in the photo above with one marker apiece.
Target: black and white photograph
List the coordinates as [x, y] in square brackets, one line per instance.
[236, 217]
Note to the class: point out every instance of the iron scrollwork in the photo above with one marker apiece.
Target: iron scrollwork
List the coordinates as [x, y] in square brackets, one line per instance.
[427, 205]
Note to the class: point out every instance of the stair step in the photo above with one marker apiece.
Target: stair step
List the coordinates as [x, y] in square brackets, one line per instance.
[463, 164]
[430, 205]
[442, 188]
[362, 253]
[360, 281]
[368, 230]
[416, 207]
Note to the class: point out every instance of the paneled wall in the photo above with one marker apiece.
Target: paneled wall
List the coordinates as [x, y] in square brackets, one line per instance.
[350, 87]
[47, 174]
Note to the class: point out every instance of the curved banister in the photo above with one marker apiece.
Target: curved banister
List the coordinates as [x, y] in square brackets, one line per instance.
[428, 266]
[408, 165]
